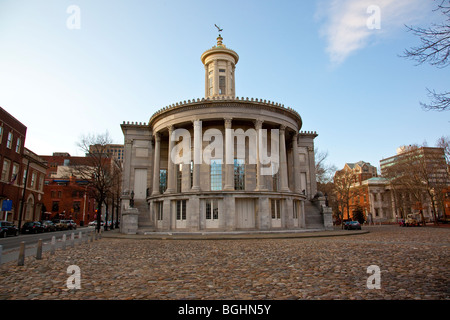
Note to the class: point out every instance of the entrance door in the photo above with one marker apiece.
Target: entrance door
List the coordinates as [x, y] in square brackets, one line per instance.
[140, 183]
[245, 213]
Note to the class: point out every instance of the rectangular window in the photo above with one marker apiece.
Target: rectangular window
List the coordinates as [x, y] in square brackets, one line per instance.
[159, 210]
[192, 173]
[221, 70]
[222, 86]
[212, 209]
[18, 145]
[181, 209]
[5, 169]
[162, 180]
[210, 86]
[1, 134]
[15, 172]
[55, 206]
[76, 206]
[239, 174]
[179, 177]
[216, 174]
[33, 180]
[276, 210]
[296, 208]
[9, 141]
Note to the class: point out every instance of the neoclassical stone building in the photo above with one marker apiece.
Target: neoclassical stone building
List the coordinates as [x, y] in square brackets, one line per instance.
[220, 163]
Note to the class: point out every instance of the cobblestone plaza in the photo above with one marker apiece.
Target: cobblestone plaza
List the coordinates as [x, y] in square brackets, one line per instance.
[413, 263]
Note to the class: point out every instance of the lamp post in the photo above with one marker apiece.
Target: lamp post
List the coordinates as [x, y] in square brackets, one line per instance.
[23, 196]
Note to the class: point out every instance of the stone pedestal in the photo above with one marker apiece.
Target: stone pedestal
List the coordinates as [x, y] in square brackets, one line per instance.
[129, 223]
[327, 218]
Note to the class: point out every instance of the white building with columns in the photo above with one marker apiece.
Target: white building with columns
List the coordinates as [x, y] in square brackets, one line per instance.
[220, 163]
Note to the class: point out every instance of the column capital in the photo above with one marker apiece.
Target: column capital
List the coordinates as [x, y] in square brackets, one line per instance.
[170, 128]
[258, 123]
[282, 128]
[157, 136]
[227, 122]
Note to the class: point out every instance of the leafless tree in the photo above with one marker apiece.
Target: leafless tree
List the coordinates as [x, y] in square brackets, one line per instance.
[343, 181]
[435, 50]
[419, 173]
[96, 167]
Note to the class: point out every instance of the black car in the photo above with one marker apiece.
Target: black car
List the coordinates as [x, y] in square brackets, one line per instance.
[48, 225]
[32, 227]
[8, 229]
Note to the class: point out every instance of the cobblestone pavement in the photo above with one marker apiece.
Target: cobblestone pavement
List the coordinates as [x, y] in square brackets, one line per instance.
[414, 264]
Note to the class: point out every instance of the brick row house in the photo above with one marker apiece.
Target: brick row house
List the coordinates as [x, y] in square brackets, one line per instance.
[19, 167]
[65, 195]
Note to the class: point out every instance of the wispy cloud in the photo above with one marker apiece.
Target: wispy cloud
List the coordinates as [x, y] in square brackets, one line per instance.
[344, 23]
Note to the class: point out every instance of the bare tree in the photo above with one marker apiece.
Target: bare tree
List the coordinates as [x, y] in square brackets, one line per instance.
[324, 172]
[444, 143]
[419, 173]
[96, 168]
[435, 50]
[343, 181]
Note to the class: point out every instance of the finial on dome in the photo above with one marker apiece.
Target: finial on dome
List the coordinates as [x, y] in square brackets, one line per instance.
[219, 38]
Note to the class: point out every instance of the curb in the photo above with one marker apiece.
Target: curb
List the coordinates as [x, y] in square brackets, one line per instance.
[233, 235]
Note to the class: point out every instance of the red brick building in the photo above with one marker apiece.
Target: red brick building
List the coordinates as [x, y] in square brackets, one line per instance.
[67, 197]
[19, 166]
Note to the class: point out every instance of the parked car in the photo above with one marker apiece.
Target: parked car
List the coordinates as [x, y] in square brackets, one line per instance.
[32, 227]
[61, 225]
[48, 226]
[94, 223]
[72, 225]
[8, 229]
[350, 225]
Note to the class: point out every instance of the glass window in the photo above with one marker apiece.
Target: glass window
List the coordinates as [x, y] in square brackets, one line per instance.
[179, 177]
[9, 141]
[239, 174]
[222, 85]
[5, 169]
[18, 144]
[181, 209]
[33, 179]
[276, 211]
[212, 209]
[159, 210]
[162, 180]
[15, 172]
[216, 174]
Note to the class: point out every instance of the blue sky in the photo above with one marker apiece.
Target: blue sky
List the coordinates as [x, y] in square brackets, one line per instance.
[130, 58]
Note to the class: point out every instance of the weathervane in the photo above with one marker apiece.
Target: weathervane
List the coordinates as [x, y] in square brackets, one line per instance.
[218, 28]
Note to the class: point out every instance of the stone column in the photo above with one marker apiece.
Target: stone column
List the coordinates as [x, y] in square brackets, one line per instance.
[197, 155]
[260, 186]
[283, 161]
[206, 81]
[229, 156]
[297, 183]
[170, 166]
[155, 190]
